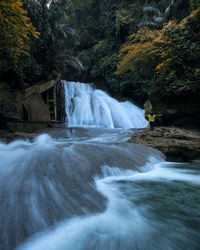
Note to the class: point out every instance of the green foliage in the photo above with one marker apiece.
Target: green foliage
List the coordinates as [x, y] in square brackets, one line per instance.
[179, 69]
[16, 31]
[195, 4]
[82, 39]
[172, 54]
[156, 14]
[102, 29]
[53, 49]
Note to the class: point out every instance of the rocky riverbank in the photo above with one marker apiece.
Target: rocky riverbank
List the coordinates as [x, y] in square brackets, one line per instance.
[177, 144]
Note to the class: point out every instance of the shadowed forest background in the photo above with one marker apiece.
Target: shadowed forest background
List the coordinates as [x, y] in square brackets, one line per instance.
[140, 50]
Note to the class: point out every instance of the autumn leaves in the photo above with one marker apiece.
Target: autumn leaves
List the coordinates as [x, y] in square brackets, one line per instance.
[16, 29]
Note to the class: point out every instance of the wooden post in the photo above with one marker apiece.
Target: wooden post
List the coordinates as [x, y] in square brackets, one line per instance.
[48, 98]
[55, 108]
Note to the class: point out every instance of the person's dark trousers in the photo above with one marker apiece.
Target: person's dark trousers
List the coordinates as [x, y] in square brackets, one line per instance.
[151, 126]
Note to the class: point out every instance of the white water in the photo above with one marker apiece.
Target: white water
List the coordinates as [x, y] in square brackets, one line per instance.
[124, 225]
[52, 190]
[86, 106]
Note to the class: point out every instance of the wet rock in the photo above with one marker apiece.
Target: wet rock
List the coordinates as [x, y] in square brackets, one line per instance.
[177, 144]
[6, 136]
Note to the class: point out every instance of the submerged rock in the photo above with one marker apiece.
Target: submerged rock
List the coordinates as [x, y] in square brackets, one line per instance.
[177, 144]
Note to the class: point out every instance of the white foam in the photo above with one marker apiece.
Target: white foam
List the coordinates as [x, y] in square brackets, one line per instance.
[90, 107]
[121, 223]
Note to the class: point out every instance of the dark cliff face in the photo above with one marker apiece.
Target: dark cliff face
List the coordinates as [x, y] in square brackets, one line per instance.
[10, 107]
[179, 112]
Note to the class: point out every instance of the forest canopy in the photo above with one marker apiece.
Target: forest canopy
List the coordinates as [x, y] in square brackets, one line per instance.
[133, 49]
[171, 56]
[16, 30]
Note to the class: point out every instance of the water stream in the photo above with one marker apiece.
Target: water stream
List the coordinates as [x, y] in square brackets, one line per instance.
[86, 188]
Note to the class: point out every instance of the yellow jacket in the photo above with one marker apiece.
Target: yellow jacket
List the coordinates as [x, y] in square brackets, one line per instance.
[151, 118]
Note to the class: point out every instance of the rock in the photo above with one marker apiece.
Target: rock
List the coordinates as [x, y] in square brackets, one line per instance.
[177, 144]
[6, 136]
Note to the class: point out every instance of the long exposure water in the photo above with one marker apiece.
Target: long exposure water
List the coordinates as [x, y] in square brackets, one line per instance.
[87, 188]
[93, 107]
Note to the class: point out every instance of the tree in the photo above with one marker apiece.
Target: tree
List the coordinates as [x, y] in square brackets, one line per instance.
[103, 27]
[173, 55]
[155, 17]
[16, 30]
[139, 53]
[53, 49]
[195, 4]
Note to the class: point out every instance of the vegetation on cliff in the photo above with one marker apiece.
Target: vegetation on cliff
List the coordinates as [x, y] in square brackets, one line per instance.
[142, 50]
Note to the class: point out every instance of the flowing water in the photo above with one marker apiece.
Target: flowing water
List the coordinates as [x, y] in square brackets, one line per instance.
[93, 107]
[86, 188]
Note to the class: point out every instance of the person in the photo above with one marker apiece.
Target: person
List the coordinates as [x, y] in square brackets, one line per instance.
[151, 119]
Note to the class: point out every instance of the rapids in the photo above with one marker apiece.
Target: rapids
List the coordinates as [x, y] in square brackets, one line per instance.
[86, 188]
[157, 209]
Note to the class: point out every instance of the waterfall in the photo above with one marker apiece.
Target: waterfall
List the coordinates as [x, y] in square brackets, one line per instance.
[86, 106]
[87, 187]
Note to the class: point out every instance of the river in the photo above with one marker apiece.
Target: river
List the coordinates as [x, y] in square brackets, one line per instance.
[84, 187]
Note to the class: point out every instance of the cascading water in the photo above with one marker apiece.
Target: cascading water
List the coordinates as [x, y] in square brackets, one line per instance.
[93, 107]
[145, 211]
[92, 190]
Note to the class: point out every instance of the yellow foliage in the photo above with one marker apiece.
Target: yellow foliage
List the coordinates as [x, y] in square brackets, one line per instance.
[16, 29]
[137, 51]
[156, 48]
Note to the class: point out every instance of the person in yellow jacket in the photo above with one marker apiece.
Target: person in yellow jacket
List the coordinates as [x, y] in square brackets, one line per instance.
[151, 119]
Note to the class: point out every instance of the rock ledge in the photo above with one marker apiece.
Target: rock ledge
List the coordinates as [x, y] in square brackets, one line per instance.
[177, 144]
